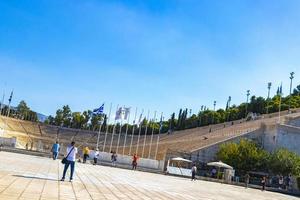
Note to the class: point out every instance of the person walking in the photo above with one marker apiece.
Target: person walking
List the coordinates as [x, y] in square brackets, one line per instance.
[134, 161]
[86, 152]
[95, 156]
[55, 150]
[247, 178]
[263, 183]
[69, 160]
[280, 181]
[289, 183]
[113, 158]
[194, 170]
[214, 173]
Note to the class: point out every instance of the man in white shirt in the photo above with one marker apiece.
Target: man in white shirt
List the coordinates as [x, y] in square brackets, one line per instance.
[194, 171]
[71, 157]
[95, 156]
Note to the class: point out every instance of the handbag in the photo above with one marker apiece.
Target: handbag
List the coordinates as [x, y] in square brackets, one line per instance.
[64, 160]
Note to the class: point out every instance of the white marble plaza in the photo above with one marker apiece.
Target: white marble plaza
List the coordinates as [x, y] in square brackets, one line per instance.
[29, 177]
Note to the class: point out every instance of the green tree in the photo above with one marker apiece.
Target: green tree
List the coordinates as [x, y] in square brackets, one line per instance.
[23, 110]
[95, 121]
[244, 156]
[297, 90]
[67, 116]
[285, 162]
[58, 119]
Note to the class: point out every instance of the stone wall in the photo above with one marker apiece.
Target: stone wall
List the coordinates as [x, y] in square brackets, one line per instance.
[294, 122]
[271, 137]
[207, 154]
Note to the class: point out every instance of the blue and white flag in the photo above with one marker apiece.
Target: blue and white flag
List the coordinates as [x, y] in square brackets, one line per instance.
[10, 97]
[141, 118]
[99, 111]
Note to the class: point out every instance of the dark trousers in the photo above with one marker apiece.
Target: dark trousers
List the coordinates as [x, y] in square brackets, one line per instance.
[55, 154]
[263, 186]
[95, 161]
[85, 156]
[72, 163]
[134, 164]
[193, 175]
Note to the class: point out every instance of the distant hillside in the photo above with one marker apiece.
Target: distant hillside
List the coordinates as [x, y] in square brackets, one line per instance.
[41, 117]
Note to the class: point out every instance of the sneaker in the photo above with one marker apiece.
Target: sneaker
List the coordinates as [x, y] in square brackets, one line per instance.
[62, 179]
[71, 180]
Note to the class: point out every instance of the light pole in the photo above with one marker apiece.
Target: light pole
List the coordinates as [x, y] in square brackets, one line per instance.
[228, 106]
[215, 105]
[214, 112]
[200, 115]
[248, 94]
[291, 77]
[268, 99]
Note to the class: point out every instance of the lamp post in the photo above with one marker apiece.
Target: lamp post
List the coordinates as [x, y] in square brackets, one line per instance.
[215, 105]
[200, 115]
[291, 77]
[228, 106]
[214, 112]
[248, 94]
[268, 99]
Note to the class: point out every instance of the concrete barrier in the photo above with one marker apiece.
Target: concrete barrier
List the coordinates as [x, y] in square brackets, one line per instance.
[10, 142]
[127, 160]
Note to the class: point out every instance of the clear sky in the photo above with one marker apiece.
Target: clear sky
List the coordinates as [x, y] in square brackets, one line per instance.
[158, 55]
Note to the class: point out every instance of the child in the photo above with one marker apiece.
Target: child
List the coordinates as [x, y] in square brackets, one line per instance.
[95, 156]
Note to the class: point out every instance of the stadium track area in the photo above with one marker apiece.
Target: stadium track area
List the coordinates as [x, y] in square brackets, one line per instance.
[30, 177]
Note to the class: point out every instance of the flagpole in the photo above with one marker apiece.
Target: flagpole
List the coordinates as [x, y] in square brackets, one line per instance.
[120, 131]
[2, 102]
[157, 142]
[151, 140]
[126, 133]
[106, 131]
[9, 101]
[100, 127]
[132, 133]
[145, 137]
[113, 132]
[280, 93]
[140, 128]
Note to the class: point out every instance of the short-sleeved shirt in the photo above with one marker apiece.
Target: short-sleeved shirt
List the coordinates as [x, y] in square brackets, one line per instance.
[55, 147]
[95, 154]
[194, 169]
[72, 155]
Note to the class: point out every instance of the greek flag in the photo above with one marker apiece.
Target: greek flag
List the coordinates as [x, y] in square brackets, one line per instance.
[99, 111]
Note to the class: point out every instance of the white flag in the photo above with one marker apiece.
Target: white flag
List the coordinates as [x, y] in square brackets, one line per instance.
[118, 114]
[127, 112]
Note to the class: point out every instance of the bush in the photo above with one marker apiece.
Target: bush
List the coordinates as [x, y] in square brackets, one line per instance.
[298, 182]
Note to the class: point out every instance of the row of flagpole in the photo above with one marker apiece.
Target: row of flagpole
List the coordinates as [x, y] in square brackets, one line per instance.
[121, 117]
[9, 102]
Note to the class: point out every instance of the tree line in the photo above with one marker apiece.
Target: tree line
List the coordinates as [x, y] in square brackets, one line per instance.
[22, 111]
[86, 120]
[249, 156]
[257, 105]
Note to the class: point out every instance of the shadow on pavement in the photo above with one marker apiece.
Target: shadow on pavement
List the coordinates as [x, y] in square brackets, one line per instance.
[35, 177]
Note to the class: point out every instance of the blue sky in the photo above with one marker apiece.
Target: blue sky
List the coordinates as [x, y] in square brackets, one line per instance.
[156, 55]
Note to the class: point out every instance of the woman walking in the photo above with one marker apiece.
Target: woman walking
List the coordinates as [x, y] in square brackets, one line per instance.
[69, 160]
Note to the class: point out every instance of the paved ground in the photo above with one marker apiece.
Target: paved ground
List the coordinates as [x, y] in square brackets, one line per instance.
[30, 177]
